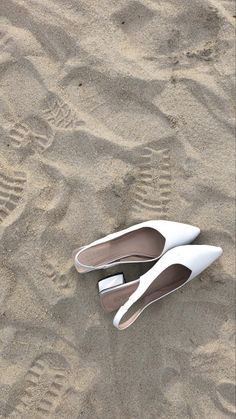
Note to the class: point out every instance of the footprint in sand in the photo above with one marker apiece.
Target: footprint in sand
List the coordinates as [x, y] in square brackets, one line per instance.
[43, 386]
[11, 191]
[153, 186]
[41, 381]
[63, 284]
[59, 114]
[33, 132]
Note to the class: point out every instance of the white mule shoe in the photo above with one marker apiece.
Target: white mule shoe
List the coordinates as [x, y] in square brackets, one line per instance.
[177, 267]
[144, 242]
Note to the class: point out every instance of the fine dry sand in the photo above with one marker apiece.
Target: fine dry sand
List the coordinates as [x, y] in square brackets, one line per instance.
[114, 112]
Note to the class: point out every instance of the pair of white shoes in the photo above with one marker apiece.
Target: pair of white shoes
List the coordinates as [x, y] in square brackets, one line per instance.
[145, 242]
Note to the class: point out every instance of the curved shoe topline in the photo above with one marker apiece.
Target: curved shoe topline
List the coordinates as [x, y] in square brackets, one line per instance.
[177, 267]
[144, 242]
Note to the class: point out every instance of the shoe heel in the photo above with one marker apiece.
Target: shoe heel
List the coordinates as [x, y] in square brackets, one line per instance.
[111, 282]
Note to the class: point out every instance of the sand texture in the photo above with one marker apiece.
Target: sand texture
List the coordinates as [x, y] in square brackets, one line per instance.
[112, 113]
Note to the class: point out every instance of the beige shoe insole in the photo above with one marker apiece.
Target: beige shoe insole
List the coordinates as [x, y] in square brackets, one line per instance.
[170, 279]
[145, 243]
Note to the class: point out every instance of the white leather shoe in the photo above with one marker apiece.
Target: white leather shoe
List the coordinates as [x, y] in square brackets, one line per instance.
[177, 267]
[144, 242]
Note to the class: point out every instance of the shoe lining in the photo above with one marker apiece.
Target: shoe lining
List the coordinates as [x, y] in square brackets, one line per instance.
[170, 279]
[139, 245]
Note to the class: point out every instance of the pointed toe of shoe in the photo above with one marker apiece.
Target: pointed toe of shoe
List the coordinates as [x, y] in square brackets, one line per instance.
[199, 257]
[206, 252]
[177, 234]
[190, 232]
[219, 251]
[214, 252]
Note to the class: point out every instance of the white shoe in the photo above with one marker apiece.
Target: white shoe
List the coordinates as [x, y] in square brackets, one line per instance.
[144, 242]
[177, 267]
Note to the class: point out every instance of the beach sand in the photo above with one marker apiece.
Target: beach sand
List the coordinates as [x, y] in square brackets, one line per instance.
[111, 113]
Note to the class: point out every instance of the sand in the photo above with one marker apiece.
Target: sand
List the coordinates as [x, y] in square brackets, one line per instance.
[111, 113]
